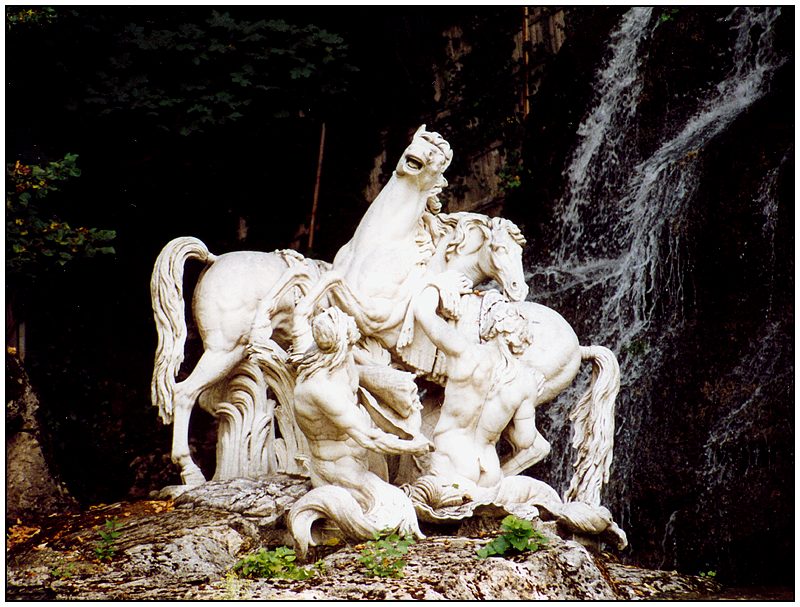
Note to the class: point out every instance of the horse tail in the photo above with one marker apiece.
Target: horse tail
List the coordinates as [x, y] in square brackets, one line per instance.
[593, 427]
[166, 292]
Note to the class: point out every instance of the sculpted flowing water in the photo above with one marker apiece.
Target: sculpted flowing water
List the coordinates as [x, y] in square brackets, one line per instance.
[620, 261]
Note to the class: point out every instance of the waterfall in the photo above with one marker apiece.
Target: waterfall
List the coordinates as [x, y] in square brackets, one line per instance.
[767, 200]
[602, 132]
[621, 261]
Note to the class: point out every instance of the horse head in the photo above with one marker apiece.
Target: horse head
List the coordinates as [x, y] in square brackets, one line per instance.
[492, 246]
[502, 259]
[425, 160]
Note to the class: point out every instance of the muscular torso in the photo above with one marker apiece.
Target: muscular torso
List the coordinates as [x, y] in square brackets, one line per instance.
[317, 400]
[475, 412]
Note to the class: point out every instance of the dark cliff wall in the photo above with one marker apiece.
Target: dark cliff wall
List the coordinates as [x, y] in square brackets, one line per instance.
[704, 458]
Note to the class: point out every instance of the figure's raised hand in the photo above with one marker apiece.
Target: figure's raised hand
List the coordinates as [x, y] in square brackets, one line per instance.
[451, 285]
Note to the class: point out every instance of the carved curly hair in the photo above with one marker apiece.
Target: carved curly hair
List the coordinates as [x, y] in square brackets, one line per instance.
[334, 332]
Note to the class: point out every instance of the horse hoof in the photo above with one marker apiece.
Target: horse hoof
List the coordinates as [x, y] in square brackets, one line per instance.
[192, 477]
[170, 492]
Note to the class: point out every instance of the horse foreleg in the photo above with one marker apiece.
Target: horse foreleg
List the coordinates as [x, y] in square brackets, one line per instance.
[211, 368]
[355, 307]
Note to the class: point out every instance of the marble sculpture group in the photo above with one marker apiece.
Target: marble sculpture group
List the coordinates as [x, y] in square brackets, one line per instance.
[385, 377]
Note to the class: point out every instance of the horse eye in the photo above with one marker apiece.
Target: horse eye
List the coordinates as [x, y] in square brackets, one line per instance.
[499, 248]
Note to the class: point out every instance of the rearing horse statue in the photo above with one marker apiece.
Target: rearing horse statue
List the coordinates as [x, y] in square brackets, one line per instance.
[376, 274]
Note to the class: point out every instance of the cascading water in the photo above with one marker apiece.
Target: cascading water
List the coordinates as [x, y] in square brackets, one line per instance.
[641, 219]
[621, 260]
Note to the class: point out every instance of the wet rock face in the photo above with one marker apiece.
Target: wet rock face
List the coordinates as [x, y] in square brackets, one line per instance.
[703, 462]
[169, 551]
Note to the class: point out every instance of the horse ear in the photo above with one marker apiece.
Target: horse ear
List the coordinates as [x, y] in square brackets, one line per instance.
[420, 130]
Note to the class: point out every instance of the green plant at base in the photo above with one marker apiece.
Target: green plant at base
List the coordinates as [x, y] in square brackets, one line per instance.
[63, 570]
[383, 556]
[278, 563]
[236, 589]
[518, 536]
[710, 575]
[106, 548]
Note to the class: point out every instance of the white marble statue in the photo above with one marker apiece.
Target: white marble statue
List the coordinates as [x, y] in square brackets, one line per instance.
[350, 487]
[390, 258]
[231, 291]
[492, 391]
[556, 354]
[329, 356]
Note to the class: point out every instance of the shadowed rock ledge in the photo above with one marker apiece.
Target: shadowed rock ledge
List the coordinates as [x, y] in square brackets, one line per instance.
[184, 550]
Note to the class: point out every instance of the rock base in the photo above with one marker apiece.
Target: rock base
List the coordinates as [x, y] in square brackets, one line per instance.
[184, 550]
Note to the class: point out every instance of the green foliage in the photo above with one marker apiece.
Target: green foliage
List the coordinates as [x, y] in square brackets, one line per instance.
[278, 563]
[236, 589]
[512, 173]
[383, 556]
[106, 548]
[709, 575]
[63, 571]
[668, 15]
[34, 15]
[190, 74]
[518, 536]
[35, 236]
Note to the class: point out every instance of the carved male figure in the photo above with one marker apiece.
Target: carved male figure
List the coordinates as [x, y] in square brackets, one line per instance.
[490, 390]
[340, 433]
[341, 437]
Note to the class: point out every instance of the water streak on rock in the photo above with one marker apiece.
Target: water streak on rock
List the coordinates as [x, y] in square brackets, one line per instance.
[623, 220]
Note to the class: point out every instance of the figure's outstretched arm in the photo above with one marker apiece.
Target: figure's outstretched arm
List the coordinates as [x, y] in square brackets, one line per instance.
[345, 414]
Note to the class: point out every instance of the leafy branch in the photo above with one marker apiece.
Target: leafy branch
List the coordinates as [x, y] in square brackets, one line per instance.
[106, 548]
[189, 77]
[384, 556]
[36, 238]
[278, 563]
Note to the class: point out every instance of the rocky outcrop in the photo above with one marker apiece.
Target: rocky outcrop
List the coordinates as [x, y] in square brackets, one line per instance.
[32, 489]
[185, 550]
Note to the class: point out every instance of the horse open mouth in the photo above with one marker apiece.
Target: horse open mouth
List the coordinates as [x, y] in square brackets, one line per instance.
[414, 163]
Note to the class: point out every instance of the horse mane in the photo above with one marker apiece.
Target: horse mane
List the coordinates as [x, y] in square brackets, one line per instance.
[458, 226]
[499, 224]
[437, 140]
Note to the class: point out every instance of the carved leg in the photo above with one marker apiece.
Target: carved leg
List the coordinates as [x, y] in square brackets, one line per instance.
[212, 367]
[190, 472]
